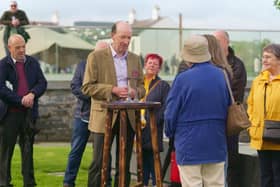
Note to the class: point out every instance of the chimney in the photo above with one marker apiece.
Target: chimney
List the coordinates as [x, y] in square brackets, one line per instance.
[155, 13]
[132, 16]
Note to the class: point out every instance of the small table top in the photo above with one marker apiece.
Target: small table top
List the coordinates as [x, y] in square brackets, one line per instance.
[131, 105]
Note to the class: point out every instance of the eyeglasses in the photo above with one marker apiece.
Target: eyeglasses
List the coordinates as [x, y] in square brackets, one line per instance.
[13, 5]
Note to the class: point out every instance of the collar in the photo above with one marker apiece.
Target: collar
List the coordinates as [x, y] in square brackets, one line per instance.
[15, 61]
[114, 53]
[265, 76]
[150, 80]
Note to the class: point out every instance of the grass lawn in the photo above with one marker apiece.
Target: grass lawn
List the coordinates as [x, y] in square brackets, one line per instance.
[50, 163]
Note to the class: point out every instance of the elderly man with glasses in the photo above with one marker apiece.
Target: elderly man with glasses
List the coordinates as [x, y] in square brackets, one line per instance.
[14, 19]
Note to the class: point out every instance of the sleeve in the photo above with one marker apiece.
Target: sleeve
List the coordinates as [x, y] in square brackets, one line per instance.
[239, 81]
[164, 93]
[77, 82]
[140, 82]
[23, 19]
[41, 83]
[250, 101]
[173, 104]
[5, 19]
[91, 85]
[6, 93]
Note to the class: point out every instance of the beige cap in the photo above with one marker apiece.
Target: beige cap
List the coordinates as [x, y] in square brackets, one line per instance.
[196, 49]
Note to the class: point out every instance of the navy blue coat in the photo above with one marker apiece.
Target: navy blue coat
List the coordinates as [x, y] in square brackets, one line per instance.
[158, 94]
[37, 83]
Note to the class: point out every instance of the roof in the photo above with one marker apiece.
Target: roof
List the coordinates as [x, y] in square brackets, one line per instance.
[93, 23]
[161, 22]
[43, 38]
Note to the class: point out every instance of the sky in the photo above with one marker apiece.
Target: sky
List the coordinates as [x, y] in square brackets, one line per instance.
[217, 14]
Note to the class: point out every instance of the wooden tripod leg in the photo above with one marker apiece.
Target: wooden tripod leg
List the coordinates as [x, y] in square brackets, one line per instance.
[139, 150]
[154, 137]
[122, 145]
[106, 147]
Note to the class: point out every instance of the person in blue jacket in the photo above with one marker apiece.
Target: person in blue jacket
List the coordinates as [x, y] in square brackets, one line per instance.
[80, 133]
[195, 117]
[21, 84]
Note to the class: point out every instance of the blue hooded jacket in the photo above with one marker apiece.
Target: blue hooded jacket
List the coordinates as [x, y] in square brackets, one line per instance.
[196, 113]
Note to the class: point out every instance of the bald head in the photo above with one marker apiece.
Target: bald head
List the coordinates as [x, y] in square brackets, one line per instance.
[121, 25]
[121, 36]
[16, 45]
[101, 45]
[223, 37]
[14, 38]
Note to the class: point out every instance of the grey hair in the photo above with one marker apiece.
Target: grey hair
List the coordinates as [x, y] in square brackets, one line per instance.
[273, 48]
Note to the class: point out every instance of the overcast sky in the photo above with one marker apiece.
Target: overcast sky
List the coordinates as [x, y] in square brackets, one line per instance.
[223, 14]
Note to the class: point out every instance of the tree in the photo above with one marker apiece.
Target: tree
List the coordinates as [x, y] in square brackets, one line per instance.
[277, 4]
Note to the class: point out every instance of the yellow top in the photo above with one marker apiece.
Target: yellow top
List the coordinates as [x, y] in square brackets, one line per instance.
[256, 109]
[147, 83]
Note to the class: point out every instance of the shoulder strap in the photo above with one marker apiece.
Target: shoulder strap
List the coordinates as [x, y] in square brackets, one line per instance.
[228, 86]
[153, 87]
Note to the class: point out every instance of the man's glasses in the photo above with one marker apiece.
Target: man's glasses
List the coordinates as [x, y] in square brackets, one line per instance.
[13, 6]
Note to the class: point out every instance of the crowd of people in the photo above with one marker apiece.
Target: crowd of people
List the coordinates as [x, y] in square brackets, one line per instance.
[193, 111]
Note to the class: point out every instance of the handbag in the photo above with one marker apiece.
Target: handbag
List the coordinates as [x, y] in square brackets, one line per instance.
[271, 131]
[237, 118]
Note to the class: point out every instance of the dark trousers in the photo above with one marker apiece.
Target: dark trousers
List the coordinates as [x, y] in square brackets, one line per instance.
[11, 127]
[233, 170]
[94, 176]
[129, 148]
[270, 168]
[94, 172]
[148, 167]
[79, 140]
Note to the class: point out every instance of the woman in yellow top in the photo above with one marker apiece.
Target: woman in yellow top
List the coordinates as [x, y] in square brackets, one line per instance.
[266, 85]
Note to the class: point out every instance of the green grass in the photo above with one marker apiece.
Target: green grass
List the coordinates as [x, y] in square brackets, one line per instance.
[50, 163]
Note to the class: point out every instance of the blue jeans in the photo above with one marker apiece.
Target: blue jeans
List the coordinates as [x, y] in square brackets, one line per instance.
[79, 140]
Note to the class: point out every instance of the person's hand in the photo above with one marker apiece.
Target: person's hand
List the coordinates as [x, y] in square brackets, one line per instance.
[121, 92]
[28, 100]
[15, 22]
[132, 93]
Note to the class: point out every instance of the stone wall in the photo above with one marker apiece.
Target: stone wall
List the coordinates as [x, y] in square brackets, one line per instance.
[56, 108]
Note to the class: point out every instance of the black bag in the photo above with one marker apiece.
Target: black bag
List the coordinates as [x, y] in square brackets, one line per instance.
[271, 131]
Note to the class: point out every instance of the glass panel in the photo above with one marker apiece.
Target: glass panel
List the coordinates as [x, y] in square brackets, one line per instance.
[59, 49]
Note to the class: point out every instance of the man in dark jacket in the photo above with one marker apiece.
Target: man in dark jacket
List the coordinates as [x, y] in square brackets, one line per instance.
[21, 84]
[80, 127]
[14, 19]
[238, 85]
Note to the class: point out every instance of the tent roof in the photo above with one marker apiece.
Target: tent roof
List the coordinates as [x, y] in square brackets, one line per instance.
[43, 38]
